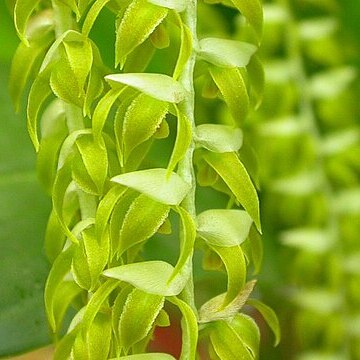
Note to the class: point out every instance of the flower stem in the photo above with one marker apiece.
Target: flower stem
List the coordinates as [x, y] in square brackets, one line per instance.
[187, 107]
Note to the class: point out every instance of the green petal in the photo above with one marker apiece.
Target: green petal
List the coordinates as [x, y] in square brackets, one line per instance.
[139, 21]
[142, 221]
[159, 86]
[151, 277]
[252, 10]
[234, 261]
[233, 172]
[222, 227]
[226, 53]
[269, 316]
[142, 118]
[189, 329]
[155, 184]
[227, 344]
[22, 12]
[182, 142]
[219, 138]
[233, 89]
[138, 316]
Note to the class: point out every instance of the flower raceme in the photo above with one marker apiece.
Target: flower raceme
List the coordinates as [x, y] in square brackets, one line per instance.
[97, 131]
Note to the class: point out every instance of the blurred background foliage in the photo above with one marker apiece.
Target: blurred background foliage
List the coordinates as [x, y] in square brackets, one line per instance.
[305, 138]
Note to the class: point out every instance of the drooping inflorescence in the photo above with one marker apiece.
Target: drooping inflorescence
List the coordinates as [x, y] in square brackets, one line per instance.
[122, 150]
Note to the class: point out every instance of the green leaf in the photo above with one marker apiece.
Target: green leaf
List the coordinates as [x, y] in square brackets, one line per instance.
[177, 5]
[140, 19]
[219, 138]
[80, 56]
[149, 356]
[143, 117]
[222, 227]
[188, 235]
[189, 329]
[92, 16]
[269, 316]
[138, 316]
[151, 277]
[182, 142]
[142, 221]
[233, 172]
[234, 261]
[60, 268]
[185, 48]
[248, 331]
[252, 10]
[102, 110]
[226, 53]
[22, 12]
[94, 157]
[227, 343]
[39, 92]
[233, 89]
[213, 309]
[155, 184]
[159, 86]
